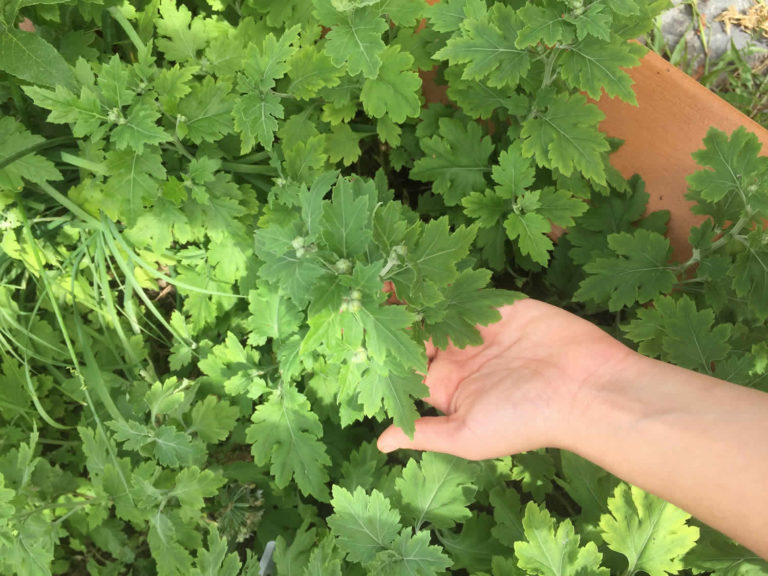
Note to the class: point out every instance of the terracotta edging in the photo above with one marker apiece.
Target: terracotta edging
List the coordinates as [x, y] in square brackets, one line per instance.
[673, 115]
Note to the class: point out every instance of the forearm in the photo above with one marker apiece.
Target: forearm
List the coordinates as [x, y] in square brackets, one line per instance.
[693, 440]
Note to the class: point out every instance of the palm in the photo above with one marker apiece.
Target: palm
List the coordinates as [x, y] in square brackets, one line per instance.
[511, 393]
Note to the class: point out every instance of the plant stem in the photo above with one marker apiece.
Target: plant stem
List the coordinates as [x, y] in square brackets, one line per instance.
[549, 65]
[249, 168]
[128, 28]
[69, 205]
[716, 245]
[35, 148]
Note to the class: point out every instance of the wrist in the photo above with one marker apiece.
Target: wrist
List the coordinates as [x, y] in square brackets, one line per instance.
[609, 401]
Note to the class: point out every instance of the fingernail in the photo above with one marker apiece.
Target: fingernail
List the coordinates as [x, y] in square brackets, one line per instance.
[385, 447]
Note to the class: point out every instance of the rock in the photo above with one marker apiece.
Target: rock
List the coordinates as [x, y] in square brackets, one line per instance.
[678, 24]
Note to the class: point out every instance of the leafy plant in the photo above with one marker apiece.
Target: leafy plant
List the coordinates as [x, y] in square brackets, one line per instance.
[229, 226]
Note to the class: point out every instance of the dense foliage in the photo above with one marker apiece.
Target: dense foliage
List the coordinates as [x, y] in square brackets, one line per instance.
[201, 204]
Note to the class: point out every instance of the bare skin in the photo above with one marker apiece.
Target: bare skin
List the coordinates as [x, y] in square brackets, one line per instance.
[546, 378]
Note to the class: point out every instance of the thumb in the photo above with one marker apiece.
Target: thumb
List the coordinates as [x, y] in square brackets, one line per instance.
[433, 433]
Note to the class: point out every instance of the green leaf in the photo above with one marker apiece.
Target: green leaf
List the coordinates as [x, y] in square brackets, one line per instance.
[455, 160]
[508, 514]
[256, 117]
[396, 390]
[473, 547]
[750, 273]
[306, 160]
[139, 129]
[448, 15]
[637, 273]
[386, 336]
[535, 472]
[720, 556]
[183, 36]
[192, 486]
[470, 304]
[594, 66]
[554, 551]
[734, 170]
[206, 112]
[27, 56]
[133, 184]
[589, 485]
[531, 232]
[272, 315]
[296, 275]
[437, 254]
[566, 137]
[477, 100]
[354, 38]
[485, 208]
[291, 559]
[514, 173]
[363, 524]
[213, 419]
[169, 446]
[402, 12]
[164, 398]
[170, 555]
[411, 555]
[114, 83]
[541, 24]
[286, 433]
[487, 47]
[311, 71]
[652, 534]
[84, 112]
[437, 490]
[346, 220]
[7, 508]
[592, 20]
[324, 559]
[560, 207]
[342, 144]
[30, 167]
[265, 65]
[681, 334]
[214, 560]
[396, 90]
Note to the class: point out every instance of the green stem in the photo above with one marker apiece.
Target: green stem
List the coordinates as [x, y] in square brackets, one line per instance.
[549, 65]
[255, 157]
[180, 148]
[249, 168]
[18, 100]
[732, 232]
[34, 148]
[84, 164]
[69, 205]
[716, 245]
[128, 28]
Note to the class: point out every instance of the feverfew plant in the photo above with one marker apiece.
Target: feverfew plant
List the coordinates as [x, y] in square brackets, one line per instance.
[227, 229]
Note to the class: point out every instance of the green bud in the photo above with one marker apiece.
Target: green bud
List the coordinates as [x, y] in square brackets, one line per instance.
[343, 266]
[360, 356]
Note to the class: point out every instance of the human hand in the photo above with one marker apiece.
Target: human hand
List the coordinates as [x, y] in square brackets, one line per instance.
[519, 390]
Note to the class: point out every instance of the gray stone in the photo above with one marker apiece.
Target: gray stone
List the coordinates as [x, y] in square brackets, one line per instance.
[677, 24]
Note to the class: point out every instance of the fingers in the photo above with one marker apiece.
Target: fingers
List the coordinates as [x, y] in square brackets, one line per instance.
[433, 433]
[431, 350]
